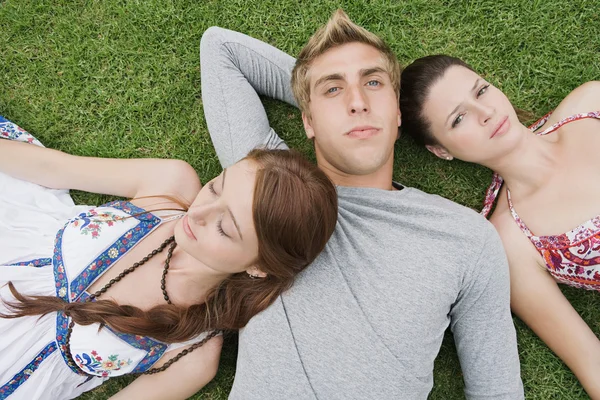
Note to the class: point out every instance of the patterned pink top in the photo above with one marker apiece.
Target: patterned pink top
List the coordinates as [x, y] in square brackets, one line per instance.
[572, 258]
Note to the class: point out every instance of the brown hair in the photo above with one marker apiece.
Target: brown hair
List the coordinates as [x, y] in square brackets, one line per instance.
[294, 212]
[417, 80]
[338, 31]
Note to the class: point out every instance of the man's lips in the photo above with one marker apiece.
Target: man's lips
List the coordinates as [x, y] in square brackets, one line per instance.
[501, 128]
[362, 132]
[187, 229]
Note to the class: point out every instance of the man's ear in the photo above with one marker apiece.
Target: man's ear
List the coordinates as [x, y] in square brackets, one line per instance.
[254, 271]
[439, 151]
[399, 123]
[306, 120]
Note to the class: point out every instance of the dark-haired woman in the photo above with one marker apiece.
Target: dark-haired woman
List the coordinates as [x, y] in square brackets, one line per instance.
[546, 186]
[142, 286]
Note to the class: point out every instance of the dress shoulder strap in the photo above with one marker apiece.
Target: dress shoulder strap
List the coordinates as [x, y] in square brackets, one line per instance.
[516, 217]
[491, 194]
[564, 121]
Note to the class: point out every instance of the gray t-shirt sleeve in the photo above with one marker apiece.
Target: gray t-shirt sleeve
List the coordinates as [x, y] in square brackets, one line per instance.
[235, 70]
[483, 327]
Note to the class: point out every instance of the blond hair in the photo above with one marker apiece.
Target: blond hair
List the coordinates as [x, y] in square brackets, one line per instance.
[338, 31]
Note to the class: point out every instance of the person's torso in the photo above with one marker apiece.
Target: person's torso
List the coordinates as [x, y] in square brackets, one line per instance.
[85, 249]
[568, 243]
[367, 318]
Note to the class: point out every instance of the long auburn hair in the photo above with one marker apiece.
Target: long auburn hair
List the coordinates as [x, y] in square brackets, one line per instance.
[294, 211]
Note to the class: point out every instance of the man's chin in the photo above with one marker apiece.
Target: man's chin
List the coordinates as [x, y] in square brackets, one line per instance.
[360, 166]
[359, 162]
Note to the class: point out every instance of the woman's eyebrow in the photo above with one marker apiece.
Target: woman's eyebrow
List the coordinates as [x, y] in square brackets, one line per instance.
[229, 209]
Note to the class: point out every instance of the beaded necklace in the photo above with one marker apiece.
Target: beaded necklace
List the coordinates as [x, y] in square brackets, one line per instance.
[173, 244]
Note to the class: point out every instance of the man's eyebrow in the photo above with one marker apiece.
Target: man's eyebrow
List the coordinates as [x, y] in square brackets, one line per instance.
[327, 78]
[453, 111]
[370, 71]
[229, 209]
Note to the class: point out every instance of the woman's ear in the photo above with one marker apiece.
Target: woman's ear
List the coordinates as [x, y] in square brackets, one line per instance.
[439, 151]
[255, 273]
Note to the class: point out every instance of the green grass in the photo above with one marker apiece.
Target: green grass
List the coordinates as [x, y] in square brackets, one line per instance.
[121, 79]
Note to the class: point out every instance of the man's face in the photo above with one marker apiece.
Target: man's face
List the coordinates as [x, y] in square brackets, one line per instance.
[354, 112]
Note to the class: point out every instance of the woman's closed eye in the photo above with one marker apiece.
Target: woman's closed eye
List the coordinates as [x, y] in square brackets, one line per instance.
[220, 228]
[211, 188]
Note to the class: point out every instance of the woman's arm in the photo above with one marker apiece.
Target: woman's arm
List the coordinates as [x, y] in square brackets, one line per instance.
[537, 300]
[181, 380]
[120, 177]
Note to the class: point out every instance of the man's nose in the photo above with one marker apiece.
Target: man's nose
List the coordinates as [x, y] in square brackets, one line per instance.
[358, 102]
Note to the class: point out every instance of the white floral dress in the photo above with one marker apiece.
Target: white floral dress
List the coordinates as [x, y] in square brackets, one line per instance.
[49, 246]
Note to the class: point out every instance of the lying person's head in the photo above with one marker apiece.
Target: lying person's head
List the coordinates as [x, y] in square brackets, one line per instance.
[346, 82]
[261, 222]
[256, 226]
[447, 107]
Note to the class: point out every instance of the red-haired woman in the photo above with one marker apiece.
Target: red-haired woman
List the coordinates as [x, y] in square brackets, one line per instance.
[142, 286]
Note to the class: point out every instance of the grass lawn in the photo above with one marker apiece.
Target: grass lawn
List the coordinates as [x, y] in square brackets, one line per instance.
[121, 79]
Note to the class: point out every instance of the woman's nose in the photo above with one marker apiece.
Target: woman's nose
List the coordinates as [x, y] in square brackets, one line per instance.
[201, 214]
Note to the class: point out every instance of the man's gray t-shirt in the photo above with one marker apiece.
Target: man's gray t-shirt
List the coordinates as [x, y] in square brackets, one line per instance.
[367, 318]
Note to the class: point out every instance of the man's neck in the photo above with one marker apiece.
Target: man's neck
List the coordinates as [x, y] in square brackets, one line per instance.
[380, 179]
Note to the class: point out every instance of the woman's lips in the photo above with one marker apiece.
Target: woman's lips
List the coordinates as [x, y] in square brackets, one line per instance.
[187, 229]
[501, 128]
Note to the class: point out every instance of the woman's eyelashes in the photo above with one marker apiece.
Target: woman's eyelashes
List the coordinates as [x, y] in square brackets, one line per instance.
[458, 120]
[211, 188]
[482, 90]
[220, 228]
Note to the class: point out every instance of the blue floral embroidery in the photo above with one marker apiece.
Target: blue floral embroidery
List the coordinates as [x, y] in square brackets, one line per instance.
[147, 222]
[154, 349]
[92, 221]
[11, 131]
[97, 366]
[38, 262]
[8, 388]
[60, 278]
[62, 324]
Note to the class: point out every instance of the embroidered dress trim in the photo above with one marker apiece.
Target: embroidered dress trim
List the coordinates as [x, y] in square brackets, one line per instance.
[91, 223]
[38, 262]
[8, 388]
[11, 131]
[153, 348]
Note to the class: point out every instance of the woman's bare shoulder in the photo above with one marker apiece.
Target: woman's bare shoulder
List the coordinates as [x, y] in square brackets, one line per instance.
[585, 98]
